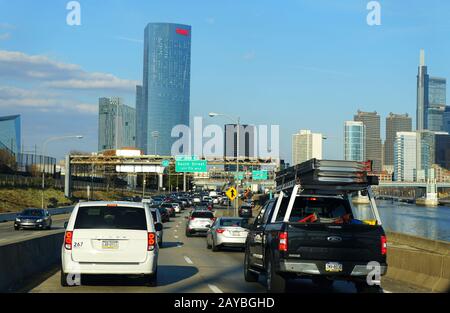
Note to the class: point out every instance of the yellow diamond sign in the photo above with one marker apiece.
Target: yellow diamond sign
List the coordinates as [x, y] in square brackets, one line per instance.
[231, 193]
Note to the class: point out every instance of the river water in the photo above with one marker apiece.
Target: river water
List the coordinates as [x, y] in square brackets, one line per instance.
[432, 223]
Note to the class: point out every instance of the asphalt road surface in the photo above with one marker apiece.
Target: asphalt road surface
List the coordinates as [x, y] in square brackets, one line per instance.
[187, 266]
[9, 235]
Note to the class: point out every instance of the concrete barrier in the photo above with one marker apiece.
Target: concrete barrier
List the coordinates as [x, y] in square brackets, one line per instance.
[419, 261]
[22, 260]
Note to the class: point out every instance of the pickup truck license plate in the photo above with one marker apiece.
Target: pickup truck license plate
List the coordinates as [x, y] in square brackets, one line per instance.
[333, 267]
[110, 245]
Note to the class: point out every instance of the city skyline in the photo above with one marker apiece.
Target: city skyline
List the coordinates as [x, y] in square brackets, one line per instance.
[250, 88]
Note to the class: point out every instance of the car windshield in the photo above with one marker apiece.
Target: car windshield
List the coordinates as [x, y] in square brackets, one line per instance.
[118, 217]
[202, 215]
[32, 212]
[233, 222]
[321, 210]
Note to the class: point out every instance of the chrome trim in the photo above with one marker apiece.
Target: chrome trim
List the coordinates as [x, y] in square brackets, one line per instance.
[299, 267]
[362, 270]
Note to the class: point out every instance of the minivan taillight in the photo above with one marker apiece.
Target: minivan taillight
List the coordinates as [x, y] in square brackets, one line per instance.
[383, 245]
[283, 242]
[151, 241]
[68, 240]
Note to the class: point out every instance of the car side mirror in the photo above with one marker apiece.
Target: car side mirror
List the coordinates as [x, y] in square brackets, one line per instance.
[158, 226]
[66, 224]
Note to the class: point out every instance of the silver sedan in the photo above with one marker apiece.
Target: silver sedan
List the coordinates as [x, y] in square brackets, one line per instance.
[227, 232]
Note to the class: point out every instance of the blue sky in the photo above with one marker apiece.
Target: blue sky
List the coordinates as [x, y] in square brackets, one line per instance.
[307, 64]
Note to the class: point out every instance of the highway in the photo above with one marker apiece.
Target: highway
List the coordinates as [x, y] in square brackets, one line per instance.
[185, 266]
[9, 235]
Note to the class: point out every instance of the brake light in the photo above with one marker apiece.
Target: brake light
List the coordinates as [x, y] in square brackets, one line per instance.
[312, 199]
[68, 237]
[112, 205]
[192, 218]
[283, 242]
[151, 241]
[220, 231]
[383, 245]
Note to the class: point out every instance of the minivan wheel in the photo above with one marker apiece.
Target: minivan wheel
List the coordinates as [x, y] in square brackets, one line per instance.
[249, 276]
[64, 277]
[152, 280]
[274, 282]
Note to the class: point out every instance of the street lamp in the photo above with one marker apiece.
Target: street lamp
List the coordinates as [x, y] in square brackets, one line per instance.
[44, 152]
[236, 120]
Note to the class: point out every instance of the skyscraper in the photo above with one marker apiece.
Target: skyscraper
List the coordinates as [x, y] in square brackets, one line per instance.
[10, 133]
[166, 85]
[140, 121]
[116, 124]
[436, 103]
[354, 141]
[405, 156]
[425, 147]
[306, 145]
[246, 143]
[442, 150]
[373, 148]
[447, 119]
[422, 94]
[394, 123]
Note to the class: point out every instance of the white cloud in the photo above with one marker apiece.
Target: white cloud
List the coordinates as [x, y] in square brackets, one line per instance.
[5, 36]
[19, 98]
[58, 75]
[248, 56]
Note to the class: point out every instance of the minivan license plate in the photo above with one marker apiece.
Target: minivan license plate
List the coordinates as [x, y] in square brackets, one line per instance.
[110, 245]
[333, 267]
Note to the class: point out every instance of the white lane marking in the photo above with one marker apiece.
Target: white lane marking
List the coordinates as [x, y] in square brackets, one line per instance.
[215, 289]
[175, 230]
[179, 246]
[176, 237]
[386, 291]
[188, 261]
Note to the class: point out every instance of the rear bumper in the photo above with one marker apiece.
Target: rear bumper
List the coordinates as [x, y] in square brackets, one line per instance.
[350, 269]
[145, 268]
[230, 241]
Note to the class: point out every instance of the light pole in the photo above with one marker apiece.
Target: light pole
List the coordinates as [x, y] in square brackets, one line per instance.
[44, 152]
[236, 120]
[155, 135]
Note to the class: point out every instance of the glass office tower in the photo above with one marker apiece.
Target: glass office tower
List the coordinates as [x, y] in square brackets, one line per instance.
[166, 86]
[436, 103]
[354, 141]
[10, 133]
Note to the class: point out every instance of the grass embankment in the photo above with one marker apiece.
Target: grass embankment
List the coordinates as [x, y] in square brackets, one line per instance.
[15, 199]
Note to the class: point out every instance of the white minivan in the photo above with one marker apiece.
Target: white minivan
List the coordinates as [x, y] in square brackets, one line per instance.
[110, 238]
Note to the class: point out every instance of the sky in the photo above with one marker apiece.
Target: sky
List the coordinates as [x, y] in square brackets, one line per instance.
[305, 64]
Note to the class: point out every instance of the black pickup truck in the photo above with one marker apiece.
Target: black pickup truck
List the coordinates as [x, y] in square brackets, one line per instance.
[314, 230]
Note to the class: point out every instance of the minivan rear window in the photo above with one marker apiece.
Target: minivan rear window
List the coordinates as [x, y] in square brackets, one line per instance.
[203, 215]
[119, 217]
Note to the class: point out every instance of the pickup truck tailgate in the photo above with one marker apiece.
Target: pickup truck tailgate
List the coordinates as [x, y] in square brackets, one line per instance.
[356, 243]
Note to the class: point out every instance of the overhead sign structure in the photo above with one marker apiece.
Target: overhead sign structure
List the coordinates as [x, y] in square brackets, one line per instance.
[139, 169]
[165, 163]
[260, 175]
[195, 166]
[231, 193]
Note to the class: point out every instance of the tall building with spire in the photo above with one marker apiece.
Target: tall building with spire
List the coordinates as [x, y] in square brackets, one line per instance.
[422, 94]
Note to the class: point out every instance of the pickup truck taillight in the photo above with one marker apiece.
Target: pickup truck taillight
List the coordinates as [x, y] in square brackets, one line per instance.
[283, 242]
[383, 245]
[68, 240]
[151, 241]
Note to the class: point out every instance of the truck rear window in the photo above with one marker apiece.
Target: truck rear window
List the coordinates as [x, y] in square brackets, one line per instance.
[321, 210]
[102, 217]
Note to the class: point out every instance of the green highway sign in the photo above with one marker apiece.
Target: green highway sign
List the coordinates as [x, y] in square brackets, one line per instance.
[195, 166]
[186, 158]
[260, 175]
[239, 176]
[165, 163]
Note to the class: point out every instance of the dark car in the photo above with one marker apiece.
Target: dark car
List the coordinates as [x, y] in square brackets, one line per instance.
[33, 219]
[169, 208]
[246, 211]
[165, 216]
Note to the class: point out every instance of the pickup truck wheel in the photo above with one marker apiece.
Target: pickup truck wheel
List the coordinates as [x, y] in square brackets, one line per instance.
[323, 283]
[274, 282]
[249, 276]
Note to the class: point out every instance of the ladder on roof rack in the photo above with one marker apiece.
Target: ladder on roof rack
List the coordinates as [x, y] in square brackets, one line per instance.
[326, 174]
